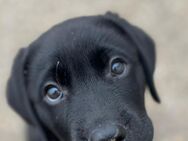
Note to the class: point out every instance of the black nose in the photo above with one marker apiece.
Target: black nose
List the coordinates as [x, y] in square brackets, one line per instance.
[108, 133]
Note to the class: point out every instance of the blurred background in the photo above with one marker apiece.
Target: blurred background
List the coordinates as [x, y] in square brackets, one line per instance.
[166, 21]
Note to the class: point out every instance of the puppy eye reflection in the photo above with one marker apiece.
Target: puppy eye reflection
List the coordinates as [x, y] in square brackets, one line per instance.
[118, 66]
[53, 94]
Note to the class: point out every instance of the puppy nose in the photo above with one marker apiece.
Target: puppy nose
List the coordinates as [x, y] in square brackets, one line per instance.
[108, 133]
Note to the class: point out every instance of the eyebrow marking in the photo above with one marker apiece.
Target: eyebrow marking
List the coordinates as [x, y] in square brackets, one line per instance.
[56, 72]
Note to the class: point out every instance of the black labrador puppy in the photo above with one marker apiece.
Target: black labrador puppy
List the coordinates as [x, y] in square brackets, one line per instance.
[84, 80]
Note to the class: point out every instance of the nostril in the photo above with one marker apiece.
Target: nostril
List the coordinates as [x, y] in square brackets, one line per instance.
[120, 134]
[108, 133]
[117, 139]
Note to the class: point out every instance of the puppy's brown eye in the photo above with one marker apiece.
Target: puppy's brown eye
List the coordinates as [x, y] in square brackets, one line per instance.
[53, 94]
[118, 66]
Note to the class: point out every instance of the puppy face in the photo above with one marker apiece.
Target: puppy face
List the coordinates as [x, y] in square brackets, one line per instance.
[85, 79]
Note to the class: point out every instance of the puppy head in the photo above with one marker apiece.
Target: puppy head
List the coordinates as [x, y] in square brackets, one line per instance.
[85, 79]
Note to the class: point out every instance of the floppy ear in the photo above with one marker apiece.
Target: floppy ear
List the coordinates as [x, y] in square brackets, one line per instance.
[17, 95]
[145, 47]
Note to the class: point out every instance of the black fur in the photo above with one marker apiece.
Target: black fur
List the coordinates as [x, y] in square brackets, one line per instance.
[83, 47]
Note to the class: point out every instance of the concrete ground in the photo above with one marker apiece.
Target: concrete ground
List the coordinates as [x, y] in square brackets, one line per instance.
[166, 21]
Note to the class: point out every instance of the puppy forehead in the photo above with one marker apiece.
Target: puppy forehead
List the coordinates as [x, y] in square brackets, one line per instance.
[77, 37]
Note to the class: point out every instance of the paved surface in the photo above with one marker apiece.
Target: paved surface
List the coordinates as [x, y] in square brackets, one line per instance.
[166, 20]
